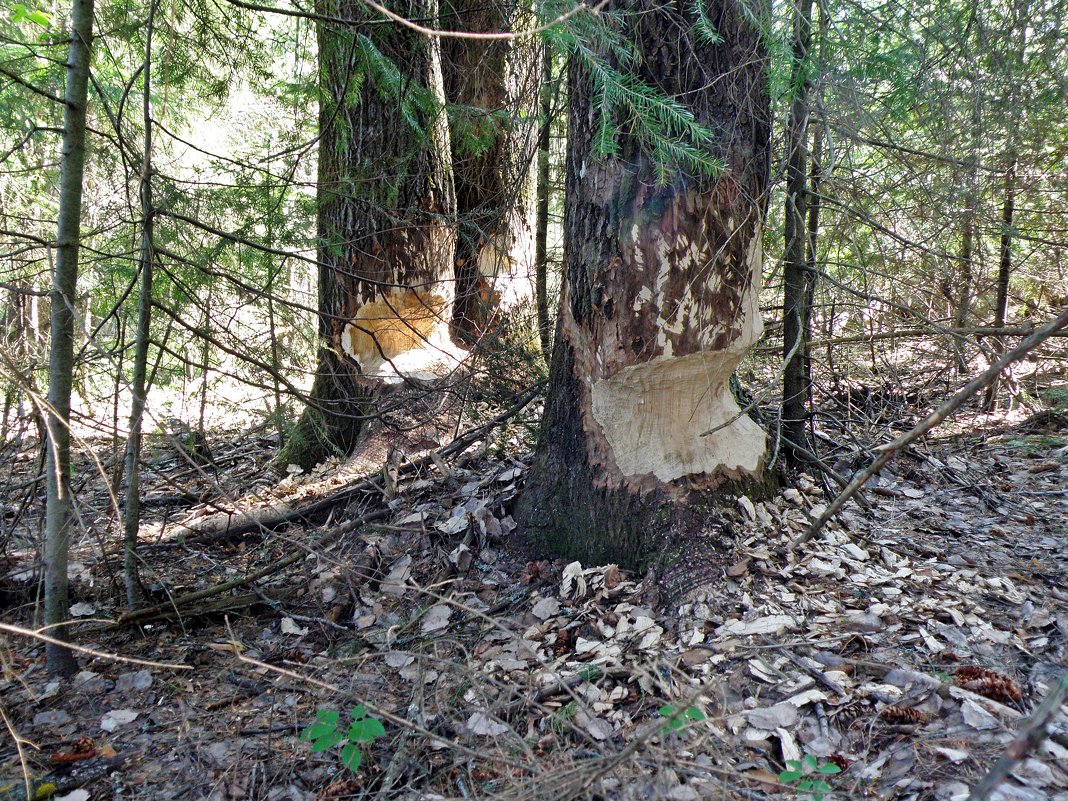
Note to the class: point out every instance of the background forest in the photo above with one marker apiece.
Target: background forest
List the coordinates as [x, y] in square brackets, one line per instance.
[294, 300]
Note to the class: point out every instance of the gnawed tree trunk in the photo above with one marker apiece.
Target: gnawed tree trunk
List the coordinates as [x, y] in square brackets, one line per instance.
[386, 222]
[59, 510]
[492, 86]
[641, 434]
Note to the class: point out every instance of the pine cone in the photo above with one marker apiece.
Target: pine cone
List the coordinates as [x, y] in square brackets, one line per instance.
[847, 713]
[340, 789]
[988, 683]
[564, 640]
[904, 716]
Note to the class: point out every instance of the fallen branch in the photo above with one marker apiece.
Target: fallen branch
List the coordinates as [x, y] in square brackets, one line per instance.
[175, 605]
[39, 635]
[239, 523]
[934, 418]
[179, 602]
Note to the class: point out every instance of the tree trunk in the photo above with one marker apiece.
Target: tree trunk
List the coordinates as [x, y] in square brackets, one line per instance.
[385, 222]
[59, 517]
[967, 237]
[1001, 305]
[641, 433]
[541, 224]
[811, 259]
[1013, 119]
[132, 500]
[492, 88]
[796, 275]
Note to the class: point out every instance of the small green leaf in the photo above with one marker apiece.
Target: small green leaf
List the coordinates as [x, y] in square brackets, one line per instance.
[359, 712]
[40, 18]
[793, 764]
[693, 713]
[830, 767]
[21, 12]
[809, 761]
[590, 673]
[317, 730]
[326, 742]
[821, 786]
[351, 757]
[366, 730]
[790, 776]
[667, 710]
[327, 716]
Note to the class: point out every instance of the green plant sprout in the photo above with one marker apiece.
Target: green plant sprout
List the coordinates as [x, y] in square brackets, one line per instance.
[323, 734]
[804, 774]
[679, 719]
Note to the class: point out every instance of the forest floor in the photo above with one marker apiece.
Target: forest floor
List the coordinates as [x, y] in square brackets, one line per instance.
[895, 656]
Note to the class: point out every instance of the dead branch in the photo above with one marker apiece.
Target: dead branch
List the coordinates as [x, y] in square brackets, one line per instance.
[138, 616]
[916, 333]
[238, 523]
[934, 418]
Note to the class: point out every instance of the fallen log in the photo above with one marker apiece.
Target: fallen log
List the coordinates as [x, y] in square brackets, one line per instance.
[236, 523]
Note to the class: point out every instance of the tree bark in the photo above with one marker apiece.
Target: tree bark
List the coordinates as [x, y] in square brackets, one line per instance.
[966, 278]
[492, 88]
[386, 222]
[1008, 209]
[59, 517]
[641, 434]
[811, 258]
[132, 499]
[796, 274]
[1001, 305]
[541, 224]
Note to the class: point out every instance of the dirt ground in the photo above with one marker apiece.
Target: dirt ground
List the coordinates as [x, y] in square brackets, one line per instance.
[896, 656]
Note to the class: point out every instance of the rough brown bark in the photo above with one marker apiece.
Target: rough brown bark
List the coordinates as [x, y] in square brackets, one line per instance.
[797, 277]
[641, 435]
[492, 86]
[966, 278]
[385, 222]
[541, 224]
[1001, 304]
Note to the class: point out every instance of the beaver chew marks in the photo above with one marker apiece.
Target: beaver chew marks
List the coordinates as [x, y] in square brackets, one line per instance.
[403, 333]
[653, 416]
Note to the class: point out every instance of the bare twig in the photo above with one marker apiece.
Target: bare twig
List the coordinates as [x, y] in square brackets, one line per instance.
[36, 634]
[19, 742]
